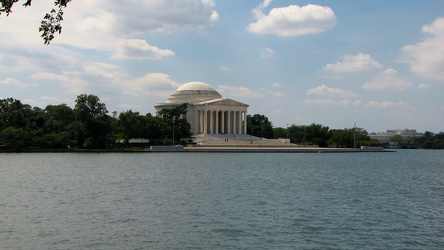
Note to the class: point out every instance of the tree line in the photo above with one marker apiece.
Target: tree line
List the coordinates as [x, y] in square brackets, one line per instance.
[86, 126]
[428, 140]
[89, 125]
[314, 134]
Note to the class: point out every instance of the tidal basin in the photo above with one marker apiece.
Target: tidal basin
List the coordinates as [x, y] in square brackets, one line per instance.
[222, 200]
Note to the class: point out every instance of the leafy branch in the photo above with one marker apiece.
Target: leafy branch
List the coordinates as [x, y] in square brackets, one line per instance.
[51, 22]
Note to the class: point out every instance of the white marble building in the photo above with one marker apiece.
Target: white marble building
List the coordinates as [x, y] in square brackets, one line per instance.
[208, 112]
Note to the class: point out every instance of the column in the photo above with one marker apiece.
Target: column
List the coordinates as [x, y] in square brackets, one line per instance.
[234, 122]
[217, 121]
[200, 121]
[211, 121]
[223, 121]
[239, 122]
[196, 121]
[229, 122]
[245, 122]
[205, 115]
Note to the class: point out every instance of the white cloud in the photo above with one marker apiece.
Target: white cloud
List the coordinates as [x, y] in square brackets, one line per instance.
[353, 63]
[332, 97]
[225, 68]
[386, 104]
[53, 100]
[276, 85]
[102, 70]
[267, 53]
[14, 82]
[331, 102]
[164, 15]
[292, 20]
[139, 49]
[94, 25]
[388, 80]
[153, 84]
[72, 84]
[331, 92]
[237, 91]
[426, 58]
[423, 86]
[126, 106]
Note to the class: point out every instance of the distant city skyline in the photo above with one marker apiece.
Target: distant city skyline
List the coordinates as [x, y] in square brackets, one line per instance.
[377, 63]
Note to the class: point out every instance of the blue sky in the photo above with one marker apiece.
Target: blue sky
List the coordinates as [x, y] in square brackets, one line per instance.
[377, 63]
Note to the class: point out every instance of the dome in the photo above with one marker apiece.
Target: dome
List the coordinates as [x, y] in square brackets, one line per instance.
[196, 88]
[193, 92]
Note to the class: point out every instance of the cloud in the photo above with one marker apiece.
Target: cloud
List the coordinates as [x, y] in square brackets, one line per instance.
[153, 84]
[72, 84]
[331, 92]
[125, 106]
[267, 53]
[386, 104]
[388, 80]
[14, 82]
[353, 63]
[225, 68]
[94, 25]
[292, 20]
[276, 85]
[53, 99]
[101, 70]
[426, 58]
[423, 86]
[164, 15]
[331, 102]
[139, 49]
[237, 91]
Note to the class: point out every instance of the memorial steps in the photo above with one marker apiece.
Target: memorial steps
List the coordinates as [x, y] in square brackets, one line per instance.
[238, 140]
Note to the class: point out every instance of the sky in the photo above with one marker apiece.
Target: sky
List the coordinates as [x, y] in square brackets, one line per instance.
[376, 63]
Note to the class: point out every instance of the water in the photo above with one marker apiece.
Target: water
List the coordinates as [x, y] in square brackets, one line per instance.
[222, 201]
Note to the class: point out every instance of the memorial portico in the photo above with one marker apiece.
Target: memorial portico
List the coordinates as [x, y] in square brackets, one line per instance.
[208, 112]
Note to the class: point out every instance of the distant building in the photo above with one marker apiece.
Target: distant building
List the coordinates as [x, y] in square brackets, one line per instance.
[406, 132]
[385, 137]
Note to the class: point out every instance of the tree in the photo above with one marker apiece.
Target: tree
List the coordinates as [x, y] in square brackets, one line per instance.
[279, 133]
[297, 133]
[259, 125]
[93, 127]
[15, 138]
[317, 134]
[51, 22]
[396, 138]
[131, 125]
[172, 116]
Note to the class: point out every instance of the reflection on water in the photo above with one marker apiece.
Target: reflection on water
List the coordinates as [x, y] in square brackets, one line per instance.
[210, 200]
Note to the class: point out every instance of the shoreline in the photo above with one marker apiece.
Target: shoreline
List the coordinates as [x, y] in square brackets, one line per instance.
[180, 149]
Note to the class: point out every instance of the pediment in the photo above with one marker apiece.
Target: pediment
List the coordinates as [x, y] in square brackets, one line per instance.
[223, 102]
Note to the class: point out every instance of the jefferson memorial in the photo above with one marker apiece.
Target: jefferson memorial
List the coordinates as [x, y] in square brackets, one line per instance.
[208, 113]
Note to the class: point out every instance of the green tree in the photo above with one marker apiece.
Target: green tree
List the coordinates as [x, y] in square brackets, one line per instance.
[93, 129]
[259, 125]
[51, 22]
[341, 138]
[157, 129]
[131, 125]
[396, 138]
[317, 134]
[15, 138]
[279, 132]
[297, 133]
[172, 116]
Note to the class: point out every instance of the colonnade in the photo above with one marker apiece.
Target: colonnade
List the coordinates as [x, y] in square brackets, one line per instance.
[220, 122]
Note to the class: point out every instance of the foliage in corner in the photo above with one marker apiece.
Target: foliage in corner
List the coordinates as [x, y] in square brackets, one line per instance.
[51, 22]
